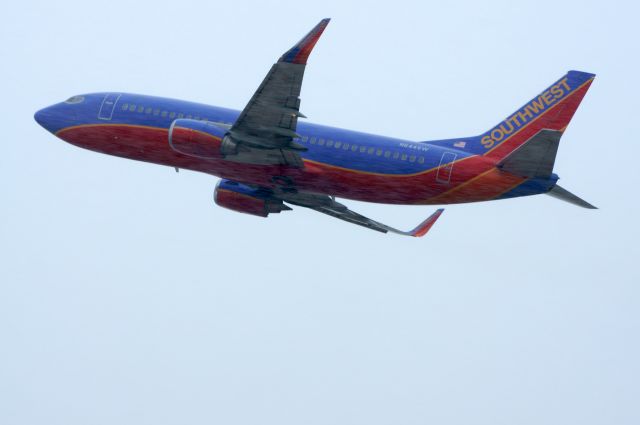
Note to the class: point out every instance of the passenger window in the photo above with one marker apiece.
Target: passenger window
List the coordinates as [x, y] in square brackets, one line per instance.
[396, 155]
[354, 148]
[412, 158]
[189, 116]
[345, 146]
[404, 157]
[180, 115]
[148, 110]
[338, 144]
[379, 152]
[387, 154]
[196, 118]
[329, 143]
[320, 142]
[125, 106]
[421, 160]
[164, 114]
[172, 115]
[370, 151]
[132, 108]
[156, 112]
[305, 138]
[140, 108]
[363, 149]
[312, 141]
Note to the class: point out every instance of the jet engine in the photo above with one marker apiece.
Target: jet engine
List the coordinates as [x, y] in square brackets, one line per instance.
[201, 139]
[245, 199]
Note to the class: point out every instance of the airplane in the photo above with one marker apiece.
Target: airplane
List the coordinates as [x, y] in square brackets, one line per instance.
[268, 161]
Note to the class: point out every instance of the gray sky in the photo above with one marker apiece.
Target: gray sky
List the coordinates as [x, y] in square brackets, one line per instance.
[128, 297]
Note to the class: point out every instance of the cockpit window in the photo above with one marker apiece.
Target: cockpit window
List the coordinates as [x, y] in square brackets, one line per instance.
[74, 99]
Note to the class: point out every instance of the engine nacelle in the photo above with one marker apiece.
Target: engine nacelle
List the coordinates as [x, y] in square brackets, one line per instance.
[245, 199]
[201, 139]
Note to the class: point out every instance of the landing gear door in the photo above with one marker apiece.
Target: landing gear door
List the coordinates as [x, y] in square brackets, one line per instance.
[446, 167]
[108, 105]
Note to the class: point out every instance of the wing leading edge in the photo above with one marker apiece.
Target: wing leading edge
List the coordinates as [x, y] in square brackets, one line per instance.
[268, 122]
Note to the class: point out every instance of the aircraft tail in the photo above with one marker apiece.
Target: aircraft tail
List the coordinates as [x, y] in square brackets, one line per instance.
[548, 113]
[550, 110]
[525, 143]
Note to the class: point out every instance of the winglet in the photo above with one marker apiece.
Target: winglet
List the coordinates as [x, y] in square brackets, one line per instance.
[299, 53]
[424, 227]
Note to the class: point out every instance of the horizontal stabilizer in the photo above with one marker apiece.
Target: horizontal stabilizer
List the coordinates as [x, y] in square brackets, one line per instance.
[535, 157]
[564, 195]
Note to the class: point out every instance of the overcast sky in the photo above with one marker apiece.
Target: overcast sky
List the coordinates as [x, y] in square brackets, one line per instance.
[128, 297]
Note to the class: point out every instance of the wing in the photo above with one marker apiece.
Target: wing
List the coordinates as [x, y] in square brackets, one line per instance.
[265, 130]
[355, 218]
[328, 205]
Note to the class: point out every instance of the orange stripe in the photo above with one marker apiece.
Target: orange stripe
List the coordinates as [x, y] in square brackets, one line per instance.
[483, 187]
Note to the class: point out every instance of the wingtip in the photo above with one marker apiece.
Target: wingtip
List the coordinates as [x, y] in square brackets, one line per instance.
[426, 225]
[299, 54]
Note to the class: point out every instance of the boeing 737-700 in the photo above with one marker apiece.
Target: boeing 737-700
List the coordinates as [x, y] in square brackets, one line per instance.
[267, 160]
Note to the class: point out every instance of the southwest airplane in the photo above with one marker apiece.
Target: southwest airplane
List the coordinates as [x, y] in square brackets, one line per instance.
[266, 158]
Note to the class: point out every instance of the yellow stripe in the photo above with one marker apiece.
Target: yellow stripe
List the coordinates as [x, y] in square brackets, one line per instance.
[73, 127]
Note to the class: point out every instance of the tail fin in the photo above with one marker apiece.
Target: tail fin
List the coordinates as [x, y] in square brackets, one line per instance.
[550, 110]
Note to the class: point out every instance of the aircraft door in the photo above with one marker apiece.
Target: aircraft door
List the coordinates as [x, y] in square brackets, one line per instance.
[108, 105]
[446, 167]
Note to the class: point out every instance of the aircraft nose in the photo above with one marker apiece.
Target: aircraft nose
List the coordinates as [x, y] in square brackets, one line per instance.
[43, 117]
[53, 118]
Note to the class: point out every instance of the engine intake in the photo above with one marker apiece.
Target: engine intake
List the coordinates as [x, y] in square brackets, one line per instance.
[200, 139]
[245, 199]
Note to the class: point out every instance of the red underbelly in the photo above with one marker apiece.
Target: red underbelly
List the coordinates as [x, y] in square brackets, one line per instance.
[150, 144]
